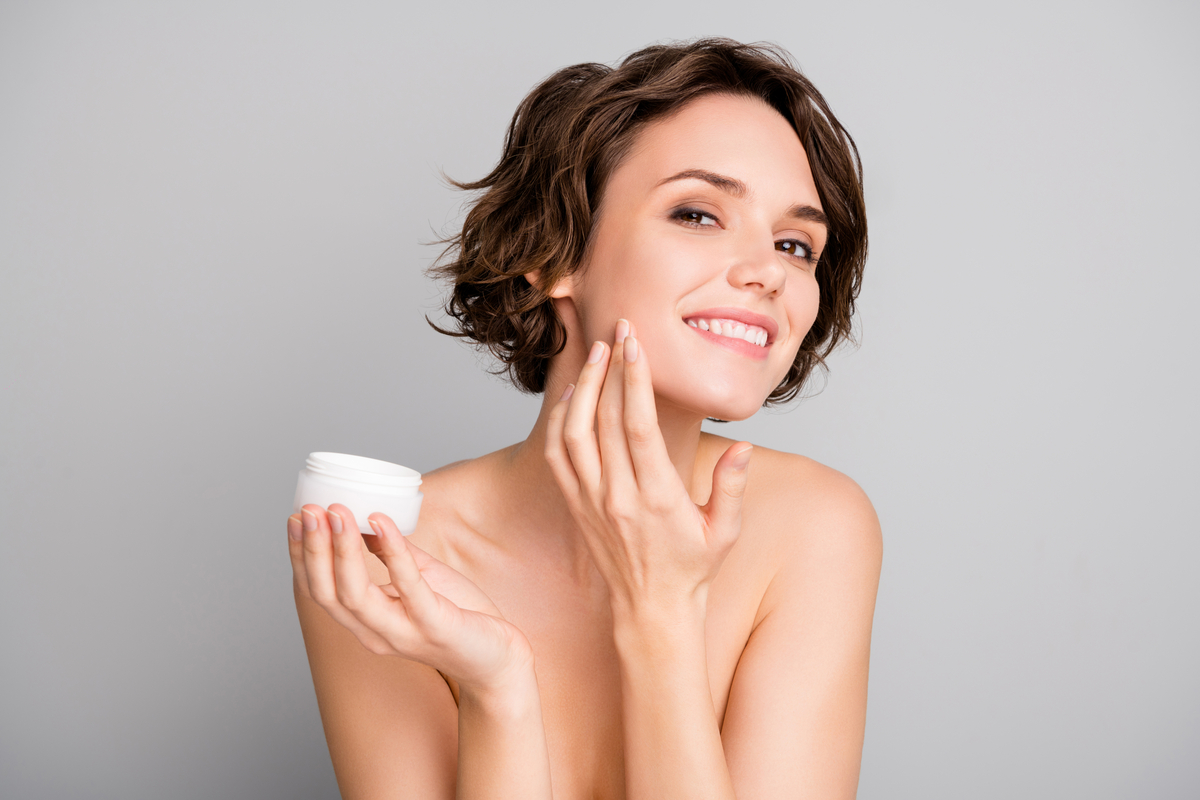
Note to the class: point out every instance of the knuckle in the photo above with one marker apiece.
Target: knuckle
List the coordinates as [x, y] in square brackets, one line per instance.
[325, 597]
[610, 416]
[734, 489]
[375, 645]
[386, 549]
[314, 548]
[618, 507]
[348, 596]
[639, 431]
[575, 437]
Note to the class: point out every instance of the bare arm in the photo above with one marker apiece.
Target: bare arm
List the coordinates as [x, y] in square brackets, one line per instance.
[502, 742]
[794, 722]
[796, 714]
[672, 739]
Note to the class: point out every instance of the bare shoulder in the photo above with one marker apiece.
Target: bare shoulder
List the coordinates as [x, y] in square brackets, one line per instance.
[797, 705]
[812, 502]
[808, 521]
[451, 495]
[452, 492]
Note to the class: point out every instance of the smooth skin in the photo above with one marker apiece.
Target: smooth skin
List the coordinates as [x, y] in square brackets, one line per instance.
[622, 605]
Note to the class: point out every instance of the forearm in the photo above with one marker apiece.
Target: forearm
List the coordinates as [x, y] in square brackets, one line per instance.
[502, 743]
[672, 739]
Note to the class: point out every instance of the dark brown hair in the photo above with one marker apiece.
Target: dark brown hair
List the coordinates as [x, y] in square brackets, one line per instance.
[537, 208]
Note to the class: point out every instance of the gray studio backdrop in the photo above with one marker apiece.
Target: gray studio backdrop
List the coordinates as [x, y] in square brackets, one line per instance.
[211, 228]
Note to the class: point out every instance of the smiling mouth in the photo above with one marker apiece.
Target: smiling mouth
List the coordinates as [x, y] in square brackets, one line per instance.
[732, 330]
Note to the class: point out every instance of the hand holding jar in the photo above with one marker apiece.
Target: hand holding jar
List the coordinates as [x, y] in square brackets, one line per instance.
[429, 612]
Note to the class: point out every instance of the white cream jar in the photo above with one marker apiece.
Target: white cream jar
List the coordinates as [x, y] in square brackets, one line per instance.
[364, 485]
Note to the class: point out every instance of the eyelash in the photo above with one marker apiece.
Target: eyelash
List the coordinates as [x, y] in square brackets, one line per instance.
[681, 215]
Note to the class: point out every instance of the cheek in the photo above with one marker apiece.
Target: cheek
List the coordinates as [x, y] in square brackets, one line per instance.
[802, 311]
[632, 275]
[803, 306]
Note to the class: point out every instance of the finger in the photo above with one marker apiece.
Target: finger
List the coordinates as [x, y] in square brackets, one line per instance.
[374, 542]
[419, 599]
[319, 570]
[724, 507]
[578, 428]
[295, 528]
[556, 449]
[352, 581]
[610, 418]
[647, 451]
[318, 556]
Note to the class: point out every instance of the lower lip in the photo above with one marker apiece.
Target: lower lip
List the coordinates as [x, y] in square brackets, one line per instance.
[739, 346]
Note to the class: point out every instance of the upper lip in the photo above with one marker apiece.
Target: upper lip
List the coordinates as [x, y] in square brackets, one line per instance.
[739, 315]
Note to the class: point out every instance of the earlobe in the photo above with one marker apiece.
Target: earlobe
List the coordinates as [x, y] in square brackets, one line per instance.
[560, 289]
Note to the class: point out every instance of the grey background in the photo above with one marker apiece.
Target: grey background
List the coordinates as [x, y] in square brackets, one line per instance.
[211, 227]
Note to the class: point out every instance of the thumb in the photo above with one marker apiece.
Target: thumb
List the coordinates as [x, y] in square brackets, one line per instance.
[724, 507]
[394, 551]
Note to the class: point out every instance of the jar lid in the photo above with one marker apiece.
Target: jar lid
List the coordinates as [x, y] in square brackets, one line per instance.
[362, 469]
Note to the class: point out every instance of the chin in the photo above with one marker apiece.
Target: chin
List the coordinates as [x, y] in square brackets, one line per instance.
[726, 409]
[734, 413]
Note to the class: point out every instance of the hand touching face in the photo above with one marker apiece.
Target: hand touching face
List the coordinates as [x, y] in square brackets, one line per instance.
[657, 550]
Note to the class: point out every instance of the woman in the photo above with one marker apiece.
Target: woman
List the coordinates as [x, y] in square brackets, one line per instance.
[622, 605]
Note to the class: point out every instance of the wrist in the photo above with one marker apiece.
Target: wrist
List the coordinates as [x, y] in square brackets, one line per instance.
[509, 694]
[660, 629]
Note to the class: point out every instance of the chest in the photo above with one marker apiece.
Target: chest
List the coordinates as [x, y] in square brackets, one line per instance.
[579, 676]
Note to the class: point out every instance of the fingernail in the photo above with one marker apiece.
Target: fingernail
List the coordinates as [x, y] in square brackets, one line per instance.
[631, 349]
[310, 520]
[375, 526]
[743, 458]
[622, 329]
[597, 352]
[295, 527]
[335, 521]
[567, 394]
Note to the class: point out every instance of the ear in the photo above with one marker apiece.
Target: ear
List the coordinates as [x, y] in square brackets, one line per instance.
[564, 288]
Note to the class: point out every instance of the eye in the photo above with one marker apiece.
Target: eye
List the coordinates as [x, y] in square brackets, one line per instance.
[695, 218]
[796, 249]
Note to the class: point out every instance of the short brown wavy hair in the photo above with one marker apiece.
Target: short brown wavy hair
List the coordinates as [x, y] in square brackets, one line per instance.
[536, 210]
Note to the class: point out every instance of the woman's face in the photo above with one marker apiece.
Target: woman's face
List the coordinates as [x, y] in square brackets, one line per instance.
[707, 240]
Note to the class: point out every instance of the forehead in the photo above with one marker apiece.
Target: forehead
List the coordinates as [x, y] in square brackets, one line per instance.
[738, 136]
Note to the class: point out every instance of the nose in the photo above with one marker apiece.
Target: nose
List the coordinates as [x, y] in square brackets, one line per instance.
[757, 267]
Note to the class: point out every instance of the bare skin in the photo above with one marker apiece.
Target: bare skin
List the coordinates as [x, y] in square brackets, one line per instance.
[621, 605]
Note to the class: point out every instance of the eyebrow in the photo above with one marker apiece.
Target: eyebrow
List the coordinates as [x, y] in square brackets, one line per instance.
[739, 190]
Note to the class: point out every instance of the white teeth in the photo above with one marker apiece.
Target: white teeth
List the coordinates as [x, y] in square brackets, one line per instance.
[734, 330]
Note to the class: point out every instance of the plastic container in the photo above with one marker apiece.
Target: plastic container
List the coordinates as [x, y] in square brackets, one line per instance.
[364, 485]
